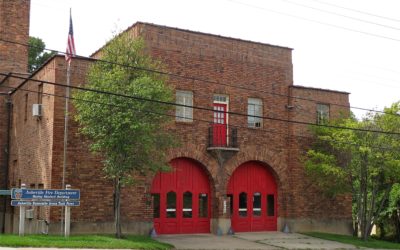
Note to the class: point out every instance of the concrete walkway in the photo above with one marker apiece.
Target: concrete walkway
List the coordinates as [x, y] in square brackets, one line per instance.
[263, 240]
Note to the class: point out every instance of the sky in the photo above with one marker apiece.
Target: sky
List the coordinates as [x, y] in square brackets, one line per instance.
[345, 45]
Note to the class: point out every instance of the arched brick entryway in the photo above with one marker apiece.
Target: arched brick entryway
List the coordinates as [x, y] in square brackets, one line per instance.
[181, 199]
[253, 192]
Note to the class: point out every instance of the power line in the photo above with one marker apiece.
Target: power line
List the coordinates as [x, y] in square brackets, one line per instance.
[138, 98]
[358, 11]
[208, 81]
[316, 21]
[286, 135]
[205, 80]
[341, 15]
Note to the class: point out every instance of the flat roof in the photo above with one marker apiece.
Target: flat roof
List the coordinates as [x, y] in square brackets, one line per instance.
[194, 32]
[319, 89]
[209, 34]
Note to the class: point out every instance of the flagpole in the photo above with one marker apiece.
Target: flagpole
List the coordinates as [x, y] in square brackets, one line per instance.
[67, 93]
[70, 52]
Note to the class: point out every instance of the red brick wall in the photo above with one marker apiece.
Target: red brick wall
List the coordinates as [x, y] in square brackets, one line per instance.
[228, 62]
[305, 200]
[83, 169]
[236, 63]
[3, 148]
[14, 27]
[214, 58]
[31, 137]
[222, 62]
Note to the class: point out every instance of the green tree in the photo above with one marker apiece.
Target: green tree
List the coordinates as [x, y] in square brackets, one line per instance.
[389, 219]
[394, 209]
[130, 134]
[36, 56]
[367, 164]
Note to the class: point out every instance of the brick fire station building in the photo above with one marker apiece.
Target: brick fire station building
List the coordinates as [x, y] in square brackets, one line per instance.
[232, 171]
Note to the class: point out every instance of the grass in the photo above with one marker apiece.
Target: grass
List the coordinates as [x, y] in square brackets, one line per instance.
[371, 243]
[82, 241]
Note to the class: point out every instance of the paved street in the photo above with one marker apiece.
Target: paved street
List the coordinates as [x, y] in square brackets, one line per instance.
[263, 240]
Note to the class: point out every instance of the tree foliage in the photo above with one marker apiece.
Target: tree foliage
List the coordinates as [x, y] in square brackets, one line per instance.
[36, 56]
[128, 133]
[365, 163]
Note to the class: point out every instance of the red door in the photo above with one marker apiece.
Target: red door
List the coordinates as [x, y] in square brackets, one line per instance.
[219, 126]
[181, 199]
[253, 191]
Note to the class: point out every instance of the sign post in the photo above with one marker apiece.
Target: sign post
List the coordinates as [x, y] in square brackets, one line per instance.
[22, 215]
[5, 192]
[67, 220]
[67, 198]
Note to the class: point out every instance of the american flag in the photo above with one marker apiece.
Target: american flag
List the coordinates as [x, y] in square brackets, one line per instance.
[70, 52]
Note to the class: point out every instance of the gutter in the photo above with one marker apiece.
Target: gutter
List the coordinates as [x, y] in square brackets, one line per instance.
[7, 159]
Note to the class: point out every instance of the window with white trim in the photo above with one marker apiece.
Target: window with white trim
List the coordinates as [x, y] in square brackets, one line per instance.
[220, 98]
[184, 114]
[322, 113]
[254, 112]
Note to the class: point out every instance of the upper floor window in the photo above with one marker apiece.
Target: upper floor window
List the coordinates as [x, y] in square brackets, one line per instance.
[220, 98]
[322, 113]
[184, 114]
[254, 112]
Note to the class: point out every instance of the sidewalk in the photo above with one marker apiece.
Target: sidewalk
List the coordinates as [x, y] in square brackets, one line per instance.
[262, 240]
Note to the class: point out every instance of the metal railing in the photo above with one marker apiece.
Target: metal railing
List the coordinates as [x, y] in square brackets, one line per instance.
[220, 135]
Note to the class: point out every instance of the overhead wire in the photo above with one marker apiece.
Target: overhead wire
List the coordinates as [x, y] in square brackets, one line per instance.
[286, 135]
[139, 98]
[316, 21]
[206, 80]
[341, 15]
[357, 11]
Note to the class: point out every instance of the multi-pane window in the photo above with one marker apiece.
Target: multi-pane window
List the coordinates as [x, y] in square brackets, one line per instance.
[203, 205]
[171, 204]
[322, 113]
[254, 112]
[257, 204]
[184, 114]
[220, 98]
[187, 205]
[243, 204]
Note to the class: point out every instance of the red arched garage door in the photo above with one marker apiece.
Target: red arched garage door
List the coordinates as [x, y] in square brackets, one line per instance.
[181, 199]
[253, 193]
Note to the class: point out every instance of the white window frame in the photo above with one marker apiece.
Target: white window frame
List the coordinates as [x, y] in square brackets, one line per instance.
[223, 99]
[323, 113]
[184, 114]
[254, 108]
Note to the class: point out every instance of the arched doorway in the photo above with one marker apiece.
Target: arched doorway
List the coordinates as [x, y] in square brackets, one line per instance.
[253, 193]
[181, 199]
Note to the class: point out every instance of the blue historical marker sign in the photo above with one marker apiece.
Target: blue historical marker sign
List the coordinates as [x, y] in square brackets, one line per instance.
[16, 203]
[45, 194]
